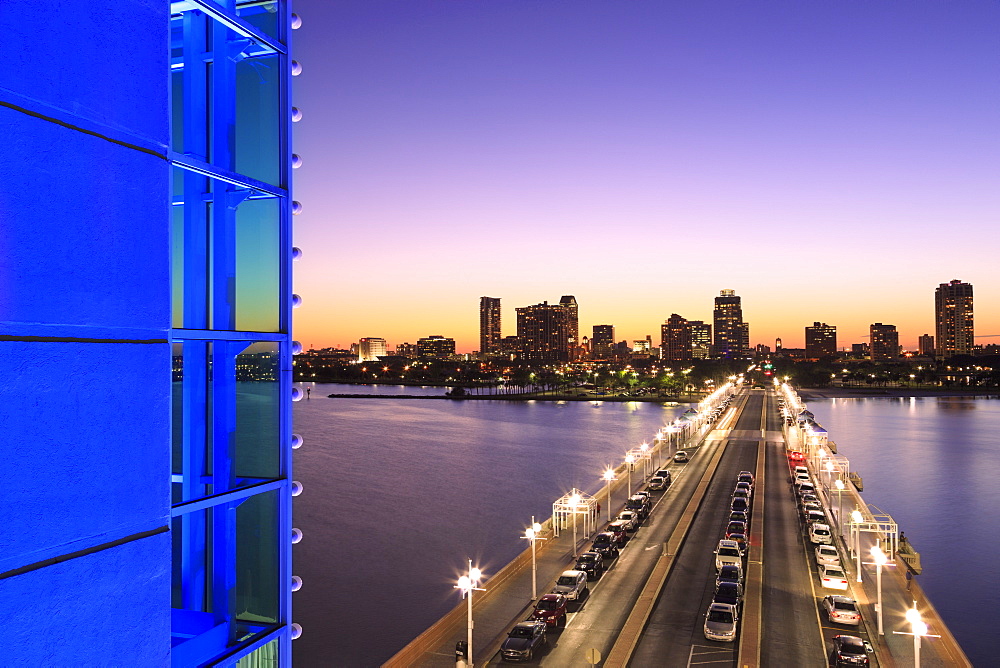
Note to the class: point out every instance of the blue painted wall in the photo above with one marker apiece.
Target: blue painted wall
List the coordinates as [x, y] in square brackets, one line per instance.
[84, 253]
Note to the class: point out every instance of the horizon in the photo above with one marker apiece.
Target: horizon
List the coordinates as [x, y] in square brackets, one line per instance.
[830, 163]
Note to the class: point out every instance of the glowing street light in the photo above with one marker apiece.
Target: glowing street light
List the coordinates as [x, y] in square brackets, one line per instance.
[839, 484]
[531, 534]
[918, 629]
[880, 560]
[468, 583]
[645, 447]
[608, 476]
[856, 519]
[575, 500]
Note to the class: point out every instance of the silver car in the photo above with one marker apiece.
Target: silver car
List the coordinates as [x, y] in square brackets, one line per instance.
[720, 622]
[827, 554]
[631, 519]
[841, 609]
[571, 584]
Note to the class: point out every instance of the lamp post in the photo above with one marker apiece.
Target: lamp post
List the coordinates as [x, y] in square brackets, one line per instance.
[629, 458]
[880, 560]
[608, 476]
[839, 484]
[467, 583]
[531, 534]
[645, 460]
[856, 519]
[575, 500]
[919, 628]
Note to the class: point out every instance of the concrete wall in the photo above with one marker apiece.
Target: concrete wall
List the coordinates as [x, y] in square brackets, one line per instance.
[84, 312]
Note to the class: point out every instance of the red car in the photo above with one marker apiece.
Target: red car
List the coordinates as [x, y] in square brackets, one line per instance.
[619, 529]
[796, 456]
[551, 609]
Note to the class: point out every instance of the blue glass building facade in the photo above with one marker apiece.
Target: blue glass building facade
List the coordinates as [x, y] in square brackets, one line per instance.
[145, 352]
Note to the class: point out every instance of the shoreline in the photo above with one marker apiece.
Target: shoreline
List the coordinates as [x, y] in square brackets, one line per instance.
[892, 393]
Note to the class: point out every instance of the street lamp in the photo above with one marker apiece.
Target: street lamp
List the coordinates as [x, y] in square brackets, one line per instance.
[829, 468]
[467, 583]
[629, 458]
[531, 534]
[880, 560]
[575, 500]
[645, 447]
[918, 629]
[856, 519]
[608, 476]
[839, 484]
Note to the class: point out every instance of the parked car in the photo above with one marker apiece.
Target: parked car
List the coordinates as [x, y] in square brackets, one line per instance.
[606, 545]
[741, 494]
[551, 608]
[745, 476]
[666, 475]
[805, 487]
[524, 640]
[848, 651]
[657, 483]
[832, 577]
[740, 504]
[618, 528]
[736, 527]
[639, 503]
[730, 573]
[800, 469]
[571, 584]
[808, 497]
[743, 484]
[630, 518]
[681, 457]
[728, 592]
[820, 533]
[728, 552]
[591, 563]
[738, 516]
[808, 510]
[740, 540]
[720, 622]
[841, 610]
[814, 517]
[796, 456]
[827, 554]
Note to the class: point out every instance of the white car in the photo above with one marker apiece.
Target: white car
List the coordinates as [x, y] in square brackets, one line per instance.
[720, 622]
[820, 533]
[631, 519]
[728, 552]
[827, 554]
[571, 584]
[841, 609]
[680, 456]
[656, 483]
[832, 577]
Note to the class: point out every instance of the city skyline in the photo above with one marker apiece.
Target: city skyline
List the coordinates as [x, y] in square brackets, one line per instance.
[684, 150]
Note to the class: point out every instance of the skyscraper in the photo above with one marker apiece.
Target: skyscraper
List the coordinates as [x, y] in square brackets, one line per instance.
[436, 346]
[953, 319]
[489, 325]
[701, 339]
[732, 335]
[568, 302]
[602, 344]
[925, 345]
[155, 283]
[371, 348]
[542, 330]
[676, 339]
[821, 340]
[884, 342]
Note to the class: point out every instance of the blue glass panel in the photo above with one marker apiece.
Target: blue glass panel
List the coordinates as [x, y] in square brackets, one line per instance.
[261, 15]
[257, 545]
[257, 118]
[258, 268]
[257, 404]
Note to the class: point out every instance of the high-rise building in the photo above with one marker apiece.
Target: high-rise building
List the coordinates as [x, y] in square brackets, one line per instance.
[568, 302]
[543, 332]
[489, 325]
[148, 523]
[602, 343]
[884, 342]
[371, 348]
[701, 339]
[821, 340]
[953, 319]
[732, 335]
[436, 346]
[676, 339]
[925, 345]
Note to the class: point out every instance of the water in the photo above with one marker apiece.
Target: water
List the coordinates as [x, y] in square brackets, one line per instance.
[933, 463]
[398, 493]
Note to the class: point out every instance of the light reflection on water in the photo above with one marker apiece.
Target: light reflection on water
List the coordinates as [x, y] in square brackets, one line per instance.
[933, 463]
[398, 493]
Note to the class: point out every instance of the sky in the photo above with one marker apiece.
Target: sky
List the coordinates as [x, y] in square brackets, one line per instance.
[828, 161]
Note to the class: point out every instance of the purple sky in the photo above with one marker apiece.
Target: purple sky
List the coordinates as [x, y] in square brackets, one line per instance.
[828, 161]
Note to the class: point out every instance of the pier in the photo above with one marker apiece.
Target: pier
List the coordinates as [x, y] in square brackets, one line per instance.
[648, 607]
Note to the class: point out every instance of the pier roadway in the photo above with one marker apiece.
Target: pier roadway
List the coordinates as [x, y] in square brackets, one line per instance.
[674, 633]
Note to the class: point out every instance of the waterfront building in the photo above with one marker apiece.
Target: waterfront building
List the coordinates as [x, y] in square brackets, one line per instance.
[860, 350]
[821, 341]
[676, 339]
[884, 342]
[568, 302]
[436, 346]
[489, 325]
[146, 224]
[953, 319]
[925, 345]
[602, 343]
[732, 335]
[701, 339]
[543, 331]
[371, 348]
[406, 350]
